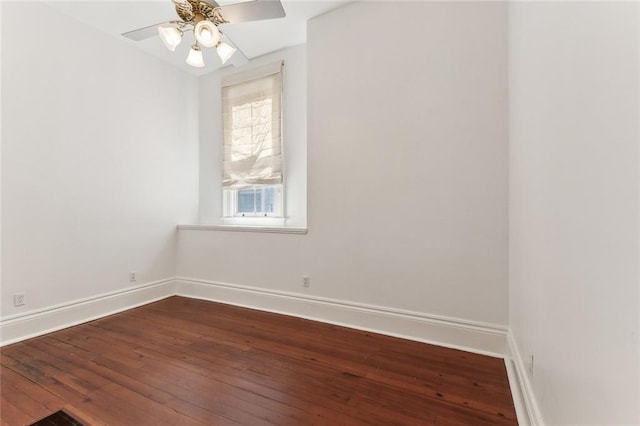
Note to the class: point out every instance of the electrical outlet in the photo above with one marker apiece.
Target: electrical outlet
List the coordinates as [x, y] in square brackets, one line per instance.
[132, 277]
[18, 299]
[531, 364]
[305, 281]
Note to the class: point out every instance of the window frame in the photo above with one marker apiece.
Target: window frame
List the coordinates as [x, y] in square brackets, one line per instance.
[230, 203]
[230, 195]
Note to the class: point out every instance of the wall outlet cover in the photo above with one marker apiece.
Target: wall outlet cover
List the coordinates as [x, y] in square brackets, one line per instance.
[18, 299]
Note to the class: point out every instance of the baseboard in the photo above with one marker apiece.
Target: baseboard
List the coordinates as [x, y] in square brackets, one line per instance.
[35, 323]
[486, 339]
[483, 338]
[521, 387]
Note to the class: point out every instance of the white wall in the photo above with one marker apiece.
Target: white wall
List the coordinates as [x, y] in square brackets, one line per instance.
[407, 165]
[1, 295]
[99, 161]
[294, 136]
[574, 111]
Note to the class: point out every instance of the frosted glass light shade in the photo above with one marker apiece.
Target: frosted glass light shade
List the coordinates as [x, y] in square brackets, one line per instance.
[195, 57]
[207, 33]
[225, 51]
[170, 36]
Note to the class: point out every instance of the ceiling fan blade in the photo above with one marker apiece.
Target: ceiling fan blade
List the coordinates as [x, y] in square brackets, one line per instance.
[238, 58]
[255, 10]
[144, 33]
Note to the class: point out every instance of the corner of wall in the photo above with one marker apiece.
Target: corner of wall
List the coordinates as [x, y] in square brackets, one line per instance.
[524, 398]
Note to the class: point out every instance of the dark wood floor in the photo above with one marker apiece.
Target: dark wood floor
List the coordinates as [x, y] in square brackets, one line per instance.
[182, 361]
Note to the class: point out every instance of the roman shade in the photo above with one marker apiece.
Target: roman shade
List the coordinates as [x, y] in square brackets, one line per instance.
[252, 121]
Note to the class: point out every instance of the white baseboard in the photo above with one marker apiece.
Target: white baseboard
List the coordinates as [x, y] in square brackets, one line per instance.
[487, 339]
[35, 323]
[483, 338]
[521, 387]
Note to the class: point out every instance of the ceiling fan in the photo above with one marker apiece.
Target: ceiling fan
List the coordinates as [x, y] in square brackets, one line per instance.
[203, 18]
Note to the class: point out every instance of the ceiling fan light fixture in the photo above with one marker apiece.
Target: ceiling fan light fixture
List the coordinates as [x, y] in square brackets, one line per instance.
[170, 36]
[204, 17]
[207, 33]
[225, 51]
[195, 57]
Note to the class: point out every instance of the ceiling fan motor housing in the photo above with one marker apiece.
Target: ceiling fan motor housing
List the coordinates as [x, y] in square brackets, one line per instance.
[199, 11]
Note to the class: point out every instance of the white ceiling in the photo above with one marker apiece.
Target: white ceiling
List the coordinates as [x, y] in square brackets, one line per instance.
[253, 38]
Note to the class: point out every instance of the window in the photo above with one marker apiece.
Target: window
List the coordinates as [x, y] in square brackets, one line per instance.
[255, 201]
[253, 178]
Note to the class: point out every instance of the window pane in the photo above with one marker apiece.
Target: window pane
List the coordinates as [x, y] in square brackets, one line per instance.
[269, 199]
[246, 201]
[258, 200]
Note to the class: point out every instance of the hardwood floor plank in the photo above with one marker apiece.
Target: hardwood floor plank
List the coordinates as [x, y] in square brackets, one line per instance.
[14, 415]
[55, 381]
[182, 383]
[115, 375]
[15, 385]
[117, 405]
[182, 361]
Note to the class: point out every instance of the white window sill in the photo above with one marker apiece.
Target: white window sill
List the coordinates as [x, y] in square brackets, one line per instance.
[244, 228]
[262, 221]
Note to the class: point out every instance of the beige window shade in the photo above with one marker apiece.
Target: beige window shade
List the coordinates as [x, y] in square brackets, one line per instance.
[251, 116]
